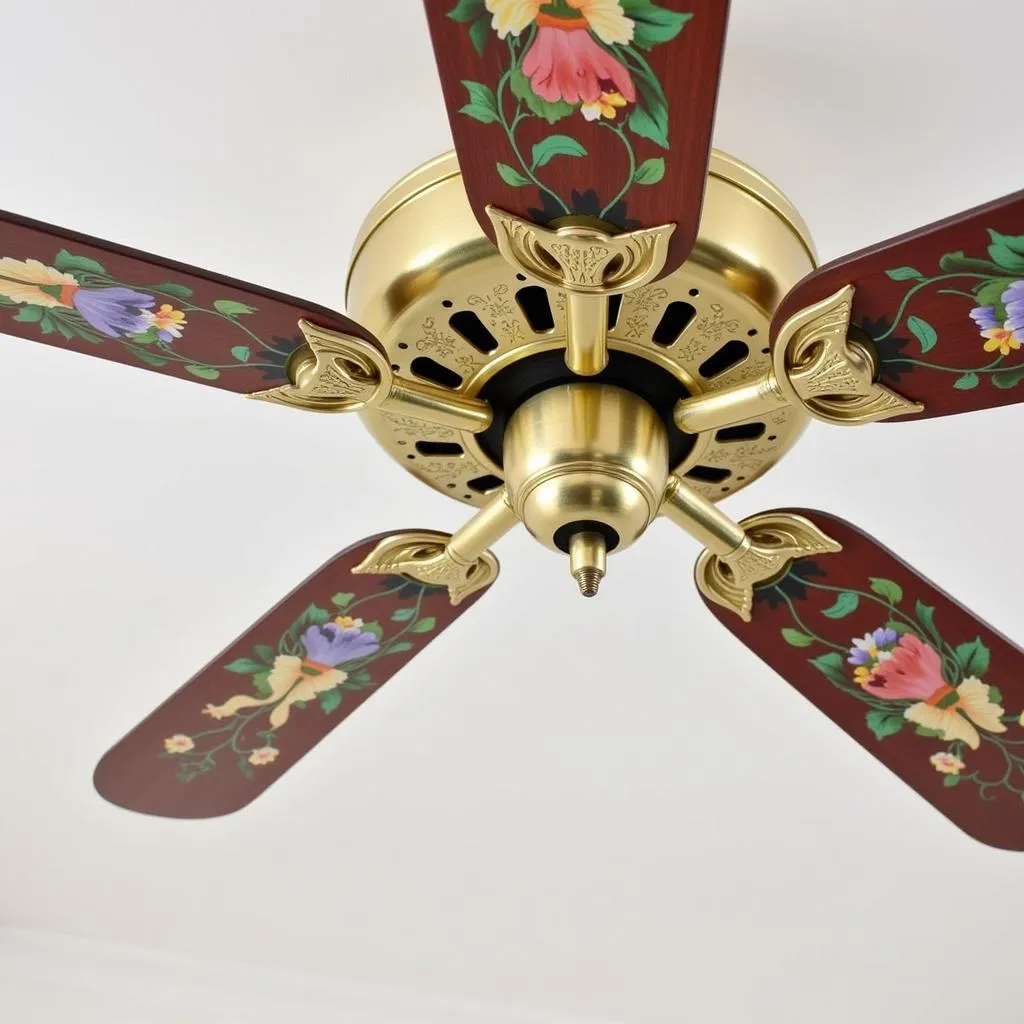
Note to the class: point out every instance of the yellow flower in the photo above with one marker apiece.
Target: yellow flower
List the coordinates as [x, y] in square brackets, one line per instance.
[265, 755]
[603, 106]
[604, 17]
[166, 319]
[862, 675]
[947, 763]
[23, 281]
[178, 744]
[347, 622]
[968, 703]
[1000, 340]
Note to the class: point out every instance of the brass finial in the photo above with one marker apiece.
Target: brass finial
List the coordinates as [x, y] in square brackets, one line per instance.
[588, 561]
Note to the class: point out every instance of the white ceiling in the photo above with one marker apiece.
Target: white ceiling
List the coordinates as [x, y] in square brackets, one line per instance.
[603, 809]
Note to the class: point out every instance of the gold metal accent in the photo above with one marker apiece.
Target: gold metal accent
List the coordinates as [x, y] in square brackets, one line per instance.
[589, 265]
[702, 520]
[459, 561]
[423, 265]
[585, 453]
[337, 372]
[744, 403]
[588, 561]
[771, 542]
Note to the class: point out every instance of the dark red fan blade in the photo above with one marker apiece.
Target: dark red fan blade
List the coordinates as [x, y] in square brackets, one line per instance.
[597, 110]
[914, 677]
[944, 306]
[91, 296]
[278, 690]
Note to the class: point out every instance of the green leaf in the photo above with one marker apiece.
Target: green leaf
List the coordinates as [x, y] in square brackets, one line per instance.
[990, 293]
[923, 730]
[374, 628]
[179, 291]
[343, 600]
[403, 614]
[554, 145]
[892, 592]
[795, 638]
[330, 700]
[949, 781]
[959, 263]
[241, 353]
[399, 648]
[995, 695]
[229, 307]
[904, 274]
[832, 666]
[68, 264]
[147, 337]
[650, 125]
[206, 372]
[899, 627]
[46, 324]
[650, 172]
[359, 681]
[846, 604]
[653, 24]
[424, 625]
[511, 176]
[926, 616]
[149, 359]
[1007, 250]
[266, 653]
[521, 89]
[924, 332]
[244, 767]
[479, 33]
[29, 315]
[482, 105]
[245, 666]
[967, 382]
[1008, 379]
[468, 10]
[973, 658]
[261, 683]
[884, 723]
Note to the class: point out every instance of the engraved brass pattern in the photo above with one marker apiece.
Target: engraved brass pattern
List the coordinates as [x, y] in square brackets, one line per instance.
[422, 259]
[772, 541]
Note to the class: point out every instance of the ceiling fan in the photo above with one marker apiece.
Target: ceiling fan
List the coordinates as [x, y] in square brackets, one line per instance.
[581, 320]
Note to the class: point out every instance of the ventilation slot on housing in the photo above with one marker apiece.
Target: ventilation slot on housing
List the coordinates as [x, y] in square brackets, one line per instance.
[731, 353]
[744, 432]
[614, 305]
[709, 474]
[436, 448]
[533, 301]
[483, 484]
[676, 318]
[469, 326]
[432, 370]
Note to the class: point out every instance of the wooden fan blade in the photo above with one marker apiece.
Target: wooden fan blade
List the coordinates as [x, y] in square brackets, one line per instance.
[944, 306]
[91, 296]
[914, 677]
[600, 110]
[242, 721]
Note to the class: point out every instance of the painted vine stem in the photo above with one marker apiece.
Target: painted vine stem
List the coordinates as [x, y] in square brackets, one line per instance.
[908, 674]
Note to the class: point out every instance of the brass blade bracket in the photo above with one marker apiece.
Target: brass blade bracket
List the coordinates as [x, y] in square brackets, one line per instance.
[460, 562]
[741, 556]
[336, 372]
[817, 366]
[589, 265]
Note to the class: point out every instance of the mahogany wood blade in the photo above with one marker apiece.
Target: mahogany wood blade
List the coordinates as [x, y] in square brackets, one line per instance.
[914, 677]
[944, 306]
[600, 110]
[91, 296]
[242, 721]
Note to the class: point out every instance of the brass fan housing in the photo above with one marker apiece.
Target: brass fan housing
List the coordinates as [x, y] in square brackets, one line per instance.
[450, 310]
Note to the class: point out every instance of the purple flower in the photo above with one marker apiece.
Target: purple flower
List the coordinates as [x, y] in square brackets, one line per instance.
[114, 311]
[868, 649]
[985, 317]
[1013, 299]
[330, 644]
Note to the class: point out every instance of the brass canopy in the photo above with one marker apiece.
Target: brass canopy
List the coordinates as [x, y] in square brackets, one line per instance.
[579, 457]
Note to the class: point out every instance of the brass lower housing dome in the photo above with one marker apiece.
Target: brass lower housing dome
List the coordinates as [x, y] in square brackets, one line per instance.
[449, 309]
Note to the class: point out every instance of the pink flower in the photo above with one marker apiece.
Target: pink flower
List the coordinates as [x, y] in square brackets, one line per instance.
[565, 62]
[914, 672]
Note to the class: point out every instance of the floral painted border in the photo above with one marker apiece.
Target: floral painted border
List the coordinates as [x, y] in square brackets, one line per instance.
[568, 58]
[993, 294]
[324, 654]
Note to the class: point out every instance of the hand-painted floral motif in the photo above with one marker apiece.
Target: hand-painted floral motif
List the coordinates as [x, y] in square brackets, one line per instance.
[906, 673]
[571, 58]
[321, 656]
[994, 292]
[76, 298]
